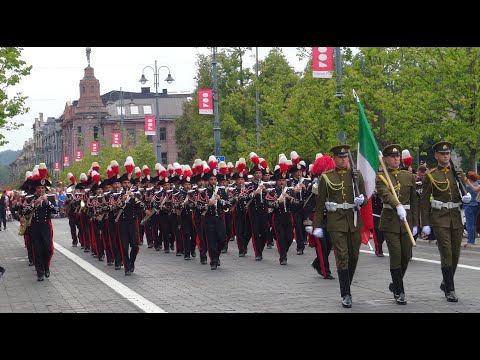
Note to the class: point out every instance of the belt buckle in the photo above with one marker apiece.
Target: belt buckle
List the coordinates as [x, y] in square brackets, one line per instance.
[345, 206]
[449, 205]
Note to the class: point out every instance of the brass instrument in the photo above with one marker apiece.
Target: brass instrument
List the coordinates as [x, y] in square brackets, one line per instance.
[123, 207]
[213, 197]
[25, 224]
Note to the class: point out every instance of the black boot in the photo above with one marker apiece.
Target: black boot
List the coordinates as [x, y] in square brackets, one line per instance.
[449, 284]
[344, 279]
[399, 292]
[316, 266]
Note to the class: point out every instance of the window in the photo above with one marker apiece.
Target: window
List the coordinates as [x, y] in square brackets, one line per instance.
[131, 134]
[79, 130]
[164, 158]
[84, 89]
[147, 109]
[163, 134]
[150, 139]
[92, 89]
[133, 110]
[95, 133]
[119, 110]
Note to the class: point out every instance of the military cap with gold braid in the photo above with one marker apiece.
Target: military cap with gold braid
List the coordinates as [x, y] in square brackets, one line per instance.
[340, 150]
[442, 146]
[392, 149]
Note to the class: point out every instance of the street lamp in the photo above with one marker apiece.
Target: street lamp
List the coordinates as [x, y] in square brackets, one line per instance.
[156, 82]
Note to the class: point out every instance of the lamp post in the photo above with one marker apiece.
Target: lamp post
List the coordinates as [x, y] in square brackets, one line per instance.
[156, 82]
[122, 115]
[216, 119]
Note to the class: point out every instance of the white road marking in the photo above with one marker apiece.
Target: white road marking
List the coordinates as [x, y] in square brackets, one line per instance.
[427, 260]
[135, 298]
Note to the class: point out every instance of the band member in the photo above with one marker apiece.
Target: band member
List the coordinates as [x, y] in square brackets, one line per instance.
[25, 220]
[336, 194]
[113, 226]
[127, 216]
[201, 204]
[393, 215]
[322, 245]
[258, 209]
[42, 207]
[213, 218]
[266, 177]
[242, 228]
[69, 208]
[281, 199]
[440, 209]
[187, 207]
[300, 183]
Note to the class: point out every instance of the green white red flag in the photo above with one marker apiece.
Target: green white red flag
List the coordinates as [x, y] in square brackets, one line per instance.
[367, 163]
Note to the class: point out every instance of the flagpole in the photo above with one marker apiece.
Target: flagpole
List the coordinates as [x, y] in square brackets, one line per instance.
[380, 157]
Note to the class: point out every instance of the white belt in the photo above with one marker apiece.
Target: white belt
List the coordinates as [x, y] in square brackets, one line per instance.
[451, 205]
[345, 206]
[406, 207]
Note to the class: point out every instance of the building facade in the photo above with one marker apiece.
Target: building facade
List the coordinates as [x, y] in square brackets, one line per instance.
[24, 161]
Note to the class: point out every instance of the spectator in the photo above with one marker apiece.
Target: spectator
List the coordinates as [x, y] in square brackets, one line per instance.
[3, 210]
[471, 209]
[61, 201]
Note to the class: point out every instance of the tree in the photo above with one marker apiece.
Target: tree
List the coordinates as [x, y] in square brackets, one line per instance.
[12, 69]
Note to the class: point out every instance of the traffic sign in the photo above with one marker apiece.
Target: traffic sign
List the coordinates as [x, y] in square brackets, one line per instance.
[220, 158]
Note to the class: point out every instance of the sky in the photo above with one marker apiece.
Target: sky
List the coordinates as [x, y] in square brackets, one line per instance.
[56, 73]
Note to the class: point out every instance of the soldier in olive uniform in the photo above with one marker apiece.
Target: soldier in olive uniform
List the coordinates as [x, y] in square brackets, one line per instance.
[393, 215]
[442, 214]
[343, 223]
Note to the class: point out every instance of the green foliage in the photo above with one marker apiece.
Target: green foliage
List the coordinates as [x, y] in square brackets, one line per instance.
[12, 69]
[4, 175]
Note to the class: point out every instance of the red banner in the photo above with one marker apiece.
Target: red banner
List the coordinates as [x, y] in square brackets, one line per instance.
[56, 166]
[322, 62]
[94, 148]
[205, 101]
[149, 125]
[66, 160]
[78, 155]
[116, 139]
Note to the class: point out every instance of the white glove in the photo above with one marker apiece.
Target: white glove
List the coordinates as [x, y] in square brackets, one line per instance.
[427, 230]
[401, 212]
[309, 229]
[415, 230]
[466, 198]
[318, 232]
[359, 200]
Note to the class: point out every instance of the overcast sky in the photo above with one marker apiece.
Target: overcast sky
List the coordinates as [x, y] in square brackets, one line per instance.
[56, 74]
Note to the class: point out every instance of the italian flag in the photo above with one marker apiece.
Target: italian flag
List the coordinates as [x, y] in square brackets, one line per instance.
[367, 163]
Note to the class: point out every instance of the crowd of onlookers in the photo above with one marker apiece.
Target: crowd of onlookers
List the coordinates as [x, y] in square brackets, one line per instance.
[10, 204]
[471, 209]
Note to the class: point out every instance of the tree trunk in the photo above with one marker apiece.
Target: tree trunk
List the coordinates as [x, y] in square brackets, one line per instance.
[472, 161]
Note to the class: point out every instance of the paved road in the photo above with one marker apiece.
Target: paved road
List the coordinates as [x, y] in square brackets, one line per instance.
[167, 283]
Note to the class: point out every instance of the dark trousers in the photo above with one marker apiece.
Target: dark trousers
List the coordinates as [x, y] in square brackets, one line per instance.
[106, 239]
[259, 223]
[156, 236]
[141, 228]
[177, 231]
[186, 233]
[29, 245]
[283, 233]
[300, 235]
[243, 230]
[3, 214]
[165, 231]
[148, 226]
[97, 232]
[270, 232]
[378, 237]
[84, 232]
[215, 236]
[172, 225]
[323, 247]
[128, 237]
[42, 237]
[200, 230]
[73, 229]
[114, 238]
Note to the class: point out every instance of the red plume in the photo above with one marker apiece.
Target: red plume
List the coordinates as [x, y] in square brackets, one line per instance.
[254, 158]
[407, 161]
[212, 162]
[95, 176]
[42, 171]
[263, 163]
[194, 171]
[223, 170]
[321, 165]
